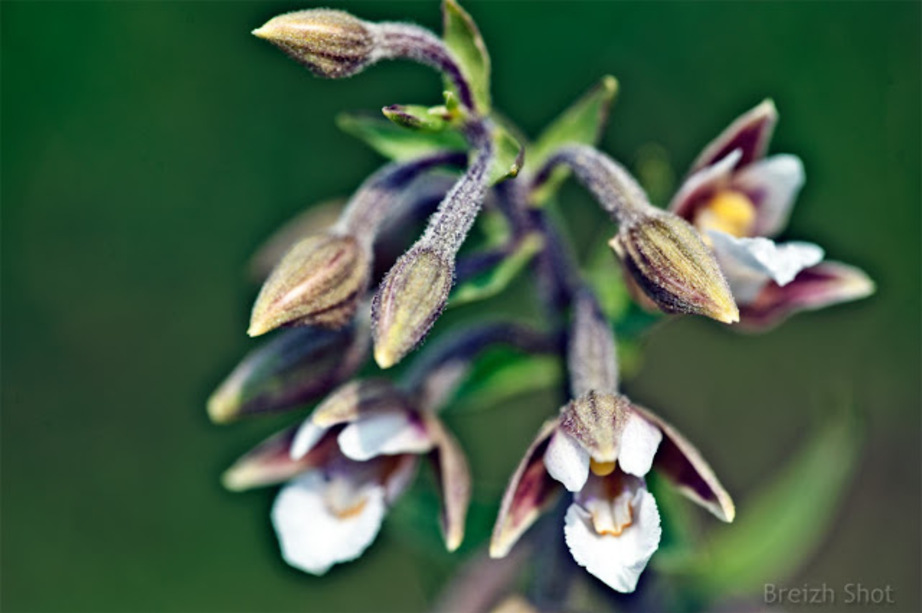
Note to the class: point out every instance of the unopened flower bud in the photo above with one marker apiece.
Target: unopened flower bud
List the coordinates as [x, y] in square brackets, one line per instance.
[294, 368]
[670, 263]
[331, 44]
[408, 302]
[318, 282]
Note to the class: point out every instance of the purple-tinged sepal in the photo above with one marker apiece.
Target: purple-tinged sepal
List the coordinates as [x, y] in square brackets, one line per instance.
[813, 288]
[680, 462]
[749, 133]
[295, 367]
[270, 462]
[454, 478]
[530, 492]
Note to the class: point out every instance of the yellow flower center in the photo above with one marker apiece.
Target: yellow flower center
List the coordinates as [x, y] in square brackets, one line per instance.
[601, 469]
[729, 211]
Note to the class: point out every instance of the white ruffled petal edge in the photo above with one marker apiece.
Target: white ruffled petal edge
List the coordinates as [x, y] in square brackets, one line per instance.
[617, 561]
[312, 538]
[567, 461]
[777, 180]
[639, 443]
[749, 263]
[384, 434]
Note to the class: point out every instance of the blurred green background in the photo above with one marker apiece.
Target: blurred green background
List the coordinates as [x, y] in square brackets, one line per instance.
[148, 148]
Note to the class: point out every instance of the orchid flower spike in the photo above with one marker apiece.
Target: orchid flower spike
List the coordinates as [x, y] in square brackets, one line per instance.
[600, 448]
[322, 278]
[739, 199]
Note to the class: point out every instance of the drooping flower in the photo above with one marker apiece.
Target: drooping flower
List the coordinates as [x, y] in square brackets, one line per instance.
[739, 199]
[600, 448]
[348, 462]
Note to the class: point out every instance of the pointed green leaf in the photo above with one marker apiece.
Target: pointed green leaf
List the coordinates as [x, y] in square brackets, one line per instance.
[503, 375]
[781, 526]
[509, 156]
[416, 117]
[497, 279]
[464, 41]
[583, 122]
[395, 142]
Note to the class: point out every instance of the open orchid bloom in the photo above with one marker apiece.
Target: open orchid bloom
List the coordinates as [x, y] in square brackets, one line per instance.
[738, 199]
[352, 458]
[600, 448]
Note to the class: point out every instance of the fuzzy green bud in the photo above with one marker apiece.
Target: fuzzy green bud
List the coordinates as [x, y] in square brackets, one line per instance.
[318, 282]
[408, 302]
[671, 264]
[331, 44]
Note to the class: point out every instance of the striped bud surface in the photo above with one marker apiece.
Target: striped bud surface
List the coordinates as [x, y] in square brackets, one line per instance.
[672, 265]
[318, 282]
[330, 43]
[408, 302]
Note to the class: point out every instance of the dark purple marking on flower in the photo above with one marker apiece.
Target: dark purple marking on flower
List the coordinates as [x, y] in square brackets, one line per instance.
[750, 133]
[530, 491]
[270, 462]
[680, 462]
[813, 288]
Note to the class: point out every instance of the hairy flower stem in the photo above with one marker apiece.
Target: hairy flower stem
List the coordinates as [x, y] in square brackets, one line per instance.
[591, 353]
[402, 40]
[367, 211]
[438, 372]
[450, 224]
[611, 185]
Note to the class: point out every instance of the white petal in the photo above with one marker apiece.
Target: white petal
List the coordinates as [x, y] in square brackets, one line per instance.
[777, 180]
[312, 538]
[567, 461]
[749, 263]
[383, 434]
[639, 443]
[616, 560]
[308, 435]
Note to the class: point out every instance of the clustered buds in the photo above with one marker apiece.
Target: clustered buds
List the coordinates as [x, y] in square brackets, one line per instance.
[357, 452]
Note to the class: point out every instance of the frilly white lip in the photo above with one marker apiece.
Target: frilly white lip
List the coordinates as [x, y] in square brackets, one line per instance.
[313, 537]
[617, 560]
[750, 263]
